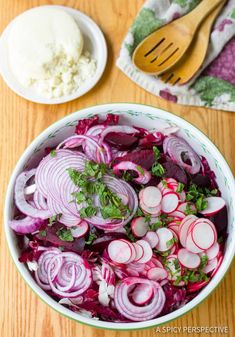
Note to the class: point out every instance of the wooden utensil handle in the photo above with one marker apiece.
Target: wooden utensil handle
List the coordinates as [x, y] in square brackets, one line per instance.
[202, 11]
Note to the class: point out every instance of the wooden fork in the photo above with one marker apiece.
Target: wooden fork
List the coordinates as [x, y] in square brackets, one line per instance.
[165, 47]
[187, 67]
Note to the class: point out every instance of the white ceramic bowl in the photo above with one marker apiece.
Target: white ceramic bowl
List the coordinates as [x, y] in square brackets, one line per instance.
[144, 116]
[94, 42]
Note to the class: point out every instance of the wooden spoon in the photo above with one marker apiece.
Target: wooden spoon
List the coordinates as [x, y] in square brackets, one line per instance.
[187, 67]
[163, 48]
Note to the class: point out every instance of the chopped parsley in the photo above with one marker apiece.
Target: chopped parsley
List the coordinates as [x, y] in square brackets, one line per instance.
[91, 238]
[140, 169]
[87, 212]
[180, 187]
[90, 182]
[65, 234]
[170, 242]
[53, 153]
[157, 170]
[129, 233]
[157, 153]
[43, 233]
[53, 219]
[189, 210]
[197, 195]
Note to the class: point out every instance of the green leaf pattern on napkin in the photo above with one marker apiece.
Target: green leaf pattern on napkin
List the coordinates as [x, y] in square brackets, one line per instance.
[209, 88]
[145, 23]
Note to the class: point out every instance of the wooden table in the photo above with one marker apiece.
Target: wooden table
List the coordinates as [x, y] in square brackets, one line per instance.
[22, 314]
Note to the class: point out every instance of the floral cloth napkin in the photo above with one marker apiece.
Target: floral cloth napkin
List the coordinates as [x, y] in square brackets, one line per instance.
[214, 84]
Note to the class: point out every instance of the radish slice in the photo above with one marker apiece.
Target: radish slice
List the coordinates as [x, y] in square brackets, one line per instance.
[172, 262]
[220, 260]
[177, 214]
[190, 245]
[151, 196]
[133, 251]
[182, 196]
[142, 294]
[203, 235]
[184, 227]
[141, 194]
[166, 190]
[80, 230]
[139, 227]
[174, 227]
[165, 237]
[119, 251]
[139, 251]
[157, 274]
[213, 251]
[171, 181]
[188, 259]
[215, 204]
[170, 202]
[152, 238]
[150, 210]
[148, 253]
[211, 265]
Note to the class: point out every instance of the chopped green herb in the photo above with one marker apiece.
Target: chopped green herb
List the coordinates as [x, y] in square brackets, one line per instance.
[129, 233]
[157, 153]
[154, 226]
[180, 187]
[201, 204]
[140, 169]
[53, 219]
[91, 238]
[139, 212]
[204, 260]
[111, 212]
[79, 197]
[127, 176]
[65, 234]
[87, 212]
[61, 248]
[220, 239]
[158, 170]
[43, 233]
[170, 242]
[189, 210]
[53, 153]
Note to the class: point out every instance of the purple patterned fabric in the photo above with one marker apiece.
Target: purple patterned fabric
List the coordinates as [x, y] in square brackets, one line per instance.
[223, 66]
[224, 23]
[167, 95]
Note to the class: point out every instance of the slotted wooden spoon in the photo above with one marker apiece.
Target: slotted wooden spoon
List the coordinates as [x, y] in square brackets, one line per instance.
[163, 48]
[187, 67]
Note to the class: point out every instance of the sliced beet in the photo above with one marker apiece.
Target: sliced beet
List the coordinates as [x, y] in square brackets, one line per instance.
[201, 180]
[102, 242]
[173, 170]
[121, 141]
[220, 220]
[77, 245]
[144, 158]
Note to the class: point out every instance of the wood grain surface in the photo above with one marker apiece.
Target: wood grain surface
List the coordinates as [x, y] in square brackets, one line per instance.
[22, 313]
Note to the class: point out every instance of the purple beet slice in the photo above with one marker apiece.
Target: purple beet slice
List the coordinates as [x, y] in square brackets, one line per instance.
[173, 170]
[201, 180]
[121, 141]
[77, 245]
[144, 158]
[220, 220]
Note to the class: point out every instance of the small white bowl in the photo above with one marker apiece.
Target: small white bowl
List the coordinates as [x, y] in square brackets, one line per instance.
[146, 117]
[94, 42]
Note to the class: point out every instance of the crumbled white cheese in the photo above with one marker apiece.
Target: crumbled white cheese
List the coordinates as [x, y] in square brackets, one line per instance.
[45, 52]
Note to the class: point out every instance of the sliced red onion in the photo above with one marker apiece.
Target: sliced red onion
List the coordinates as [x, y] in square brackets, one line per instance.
[118, 128]
[118, 187]
[45, 164]
[20, 200]
[179, 151]
[95, 130]
[39, 200]
[72, 279]
[43, 263]
[143, 175]
[132, 311]
[26, 225]
[88, 140]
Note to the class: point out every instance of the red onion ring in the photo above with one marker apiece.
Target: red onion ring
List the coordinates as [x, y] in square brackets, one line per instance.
[118, 128]
[176, 147]
[135, 312]
[43, 263]
[20, 200]
[74, 270]
[39, 200]
[143, 175]
[26, 225]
